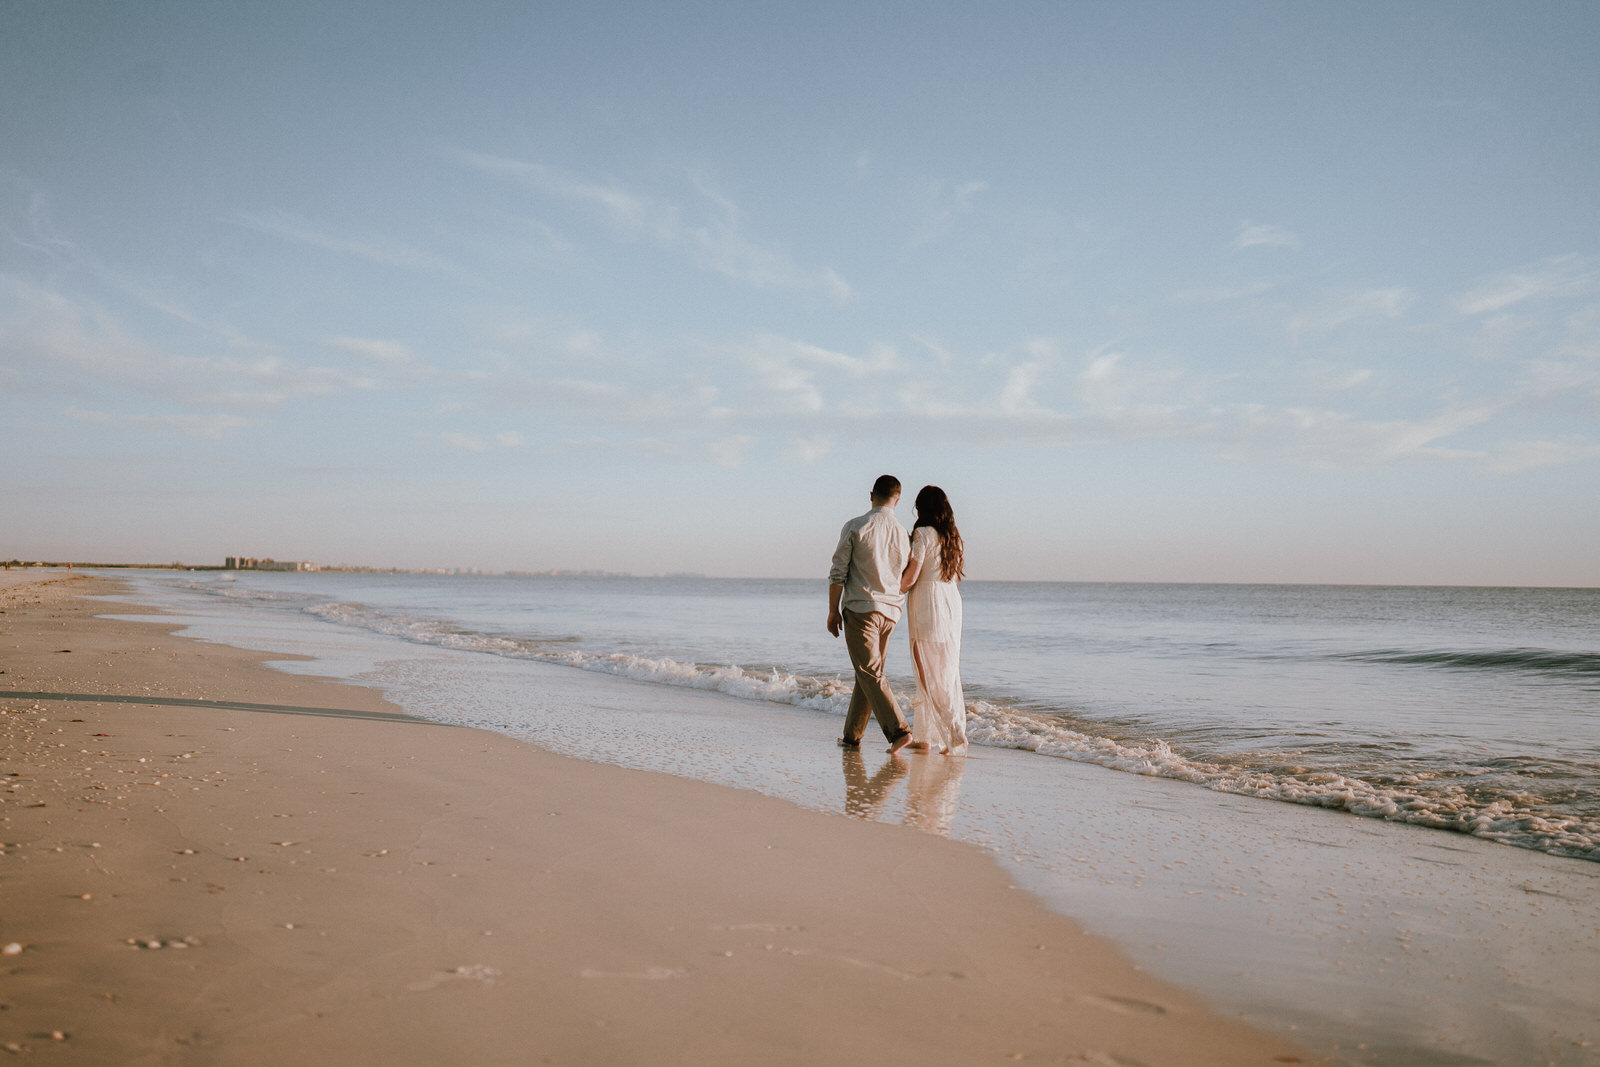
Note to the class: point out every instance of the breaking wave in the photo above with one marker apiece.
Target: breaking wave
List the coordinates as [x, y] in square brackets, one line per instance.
[1517, 819]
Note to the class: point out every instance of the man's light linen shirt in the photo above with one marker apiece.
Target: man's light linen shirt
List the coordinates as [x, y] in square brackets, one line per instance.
[873, 551]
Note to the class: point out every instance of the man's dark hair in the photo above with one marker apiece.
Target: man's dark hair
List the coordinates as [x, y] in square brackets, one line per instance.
[885, 487]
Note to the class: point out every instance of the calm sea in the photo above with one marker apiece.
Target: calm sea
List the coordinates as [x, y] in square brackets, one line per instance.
[1471, 710]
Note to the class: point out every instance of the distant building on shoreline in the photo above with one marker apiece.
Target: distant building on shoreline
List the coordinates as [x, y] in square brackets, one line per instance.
[246, 563]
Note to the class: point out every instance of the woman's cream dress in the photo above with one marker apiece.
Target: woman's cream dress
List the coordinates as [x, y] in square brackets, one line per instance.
[933, 615]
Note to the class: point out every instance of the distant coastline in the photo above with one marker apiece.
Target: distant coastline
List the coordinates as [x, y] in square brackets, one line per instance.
[304, 566]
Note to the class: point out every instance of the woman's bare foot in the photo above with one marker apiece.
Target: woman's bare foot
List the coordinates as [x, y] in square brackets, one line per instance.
[920, 746]
[944, 751]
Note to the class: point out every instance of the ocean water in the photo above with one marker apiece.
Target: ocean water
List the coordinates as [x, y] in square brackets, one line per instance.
[1364, 817]
[1465, 709]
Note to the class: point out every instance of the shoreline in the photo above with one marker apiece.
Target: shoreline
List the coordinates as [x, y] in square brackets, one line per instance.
[326, 877]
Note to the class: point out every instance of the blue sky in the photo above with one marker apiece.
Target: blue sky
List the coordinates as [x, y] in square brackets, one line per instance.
[1155, 291]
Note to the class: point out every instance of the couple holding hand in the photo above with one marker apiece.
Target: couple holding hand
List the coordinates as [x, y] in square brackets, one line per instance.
[879, 571]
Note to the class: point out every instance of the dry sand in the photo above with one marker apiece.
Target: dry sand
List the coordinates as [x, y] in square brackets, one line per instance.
[208, 861]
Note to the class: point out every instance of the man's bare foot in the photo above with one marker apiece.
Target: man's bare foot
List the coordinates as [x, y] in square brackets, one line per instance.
[920, 746]
[845, 742]
[900, 742]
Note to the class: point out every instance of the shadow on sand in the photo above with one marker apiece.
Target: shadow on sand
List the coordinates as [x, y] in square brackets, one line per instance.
[222, 705]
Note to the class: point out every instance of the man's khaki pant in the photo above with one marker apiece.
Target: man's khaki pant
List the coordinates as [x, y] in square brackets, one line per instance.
[866, 635]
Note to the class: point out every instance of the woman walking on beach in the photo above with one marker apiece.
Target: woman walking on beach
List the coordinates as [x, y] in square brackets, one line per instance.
[933, 615]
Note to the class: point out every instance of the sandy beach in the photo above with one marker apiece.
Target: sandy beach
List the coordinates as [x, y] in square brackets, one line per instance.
[210, 861]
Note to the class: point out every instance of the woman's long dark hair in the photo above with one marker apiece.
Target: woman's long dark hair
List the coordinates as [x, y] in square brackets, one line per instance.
[933, 509]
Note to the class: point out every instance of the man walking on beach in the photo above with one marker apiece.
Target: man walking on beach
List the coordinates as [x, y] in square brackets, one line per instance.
[864, 599]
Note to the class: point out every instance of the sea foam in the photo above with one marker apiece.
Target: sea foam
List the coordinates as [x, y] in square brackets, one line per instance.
[1441, 805]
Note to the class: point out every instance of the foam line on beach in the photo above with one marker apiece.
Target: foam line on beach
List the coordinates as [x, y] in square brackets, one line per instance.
[1439, 804]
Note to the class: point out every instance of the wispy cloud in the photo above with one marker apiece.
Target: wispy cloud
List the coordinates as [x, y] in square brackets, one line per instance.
[811, 448]
[1019, 383]
[384, 353]
[1336, 310]
[1240, 430]
[55, 343]
[1252, 235]
[725, 401]
[463, 441]
[35, 227]
[803, 398]
[1527, 455]
[708, 231]
[213, 427]
[945, 204]
[382, 250]
[1561, 276]
[581, 375]
[791, 373]
[1222, 294]
[1039, 396]
[630, 214]
[472, 442]
[730, 451]
[385, 362]
[943, 354]
[1343, 439]
[1330, 378]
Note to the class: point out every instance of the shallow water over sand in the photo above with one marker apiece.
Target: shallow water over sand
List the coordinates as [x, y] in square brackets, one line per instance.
[1475, 710]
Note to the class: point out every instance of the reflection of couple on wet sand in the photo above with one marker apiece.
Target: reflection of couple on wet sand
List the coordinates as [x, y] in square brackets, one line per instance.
[931, 789]
[878, 573]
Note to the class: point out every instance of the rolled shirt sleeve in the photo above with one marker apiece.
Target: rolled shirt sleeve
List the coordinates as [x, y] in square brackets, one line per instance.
[839, 572]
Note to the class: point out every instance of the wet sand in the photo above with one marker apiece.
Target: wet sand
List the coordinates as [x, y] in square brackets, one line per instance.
[209, 861]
